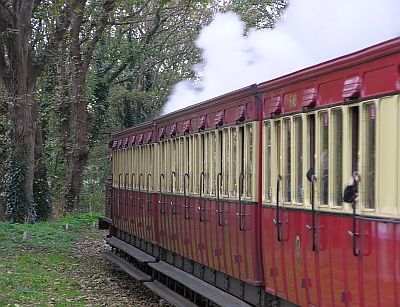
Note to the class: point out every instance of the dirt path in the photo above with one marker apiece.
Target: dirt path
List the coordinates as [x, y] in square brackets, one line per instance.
[102, 282]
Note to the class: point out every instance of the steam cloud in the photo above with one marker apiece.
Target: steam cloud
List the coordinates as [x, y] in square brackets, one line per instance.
[312, 31]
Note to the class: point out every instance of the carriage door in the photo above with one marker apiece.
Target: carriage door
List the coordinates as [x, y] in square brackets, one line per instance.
[350, 234]
[316, 164]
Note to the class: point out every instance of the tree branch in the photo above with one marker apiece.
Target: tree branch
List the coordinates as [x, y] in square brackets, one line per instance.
[108, 6]
[6, 17]
[57, 36]
[3, 64]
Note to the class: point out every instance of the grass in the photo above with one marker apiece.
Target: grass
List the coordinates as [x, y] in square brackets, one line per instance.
[57, 236]
[34, 260]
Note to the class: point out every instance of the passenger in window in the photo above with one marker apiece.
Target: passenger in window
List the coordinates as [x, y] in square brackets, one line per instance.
[350, 194]
[324, 174]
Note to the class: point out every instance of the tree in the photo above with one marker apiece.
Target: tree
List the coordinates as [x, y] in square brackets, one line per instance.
[3, 147]
[80, 63]
[23, 55]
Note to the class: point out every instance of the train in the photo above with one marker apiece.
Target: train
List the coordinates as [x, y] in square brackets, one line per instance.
[238, 200]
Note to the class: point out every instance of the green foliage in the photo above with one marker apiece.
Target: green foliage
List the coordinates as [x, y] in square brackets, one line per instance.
[18, 208]
[45, 236]
[149, 47]
[94, 179]
[255, 13]
[35, 259]
[41, 194]
[38, 278]
[4, 128]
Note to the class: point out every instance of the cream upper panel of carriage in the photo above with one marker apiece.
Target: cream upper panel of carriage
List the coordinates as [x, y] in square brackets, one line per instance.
[218, 163]
[335, 143]
[134, 167]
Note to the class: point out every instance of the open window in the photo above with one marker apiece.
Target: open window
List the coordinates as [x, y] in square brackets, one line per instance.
[337, 156]
[369, 156]
[323, 159]
[287, 160]
[298, 159]
[267, 161]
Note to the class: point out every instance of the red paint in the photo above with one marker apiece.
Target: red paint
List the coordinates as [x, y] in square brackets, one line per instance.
[329, 276]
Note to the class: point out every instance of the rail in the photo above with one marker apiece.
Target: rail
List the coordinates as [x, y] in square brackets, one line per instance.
[220, 212]
[241, 213]
[277, 220]
[161, 202]
[201, 201]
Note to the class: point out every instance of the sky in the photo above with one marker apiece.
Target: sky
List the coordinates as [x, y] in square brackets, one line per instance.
[310, 32]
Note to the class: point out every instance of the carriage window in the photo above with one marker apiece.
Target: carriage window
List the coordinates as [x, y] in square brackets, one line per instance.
[151, 164]
[369, 156]
[226, 153]
[213, 142]
[204, 162]
[187, 156]
[278, 146]
[268, 153]
[323, 158]
[241, 160]
[233, 159]
[167, 165]
[194, 154]
[134, 169]
[181, 167]
[175, 165]
[287, 178]
[337, 143]
[298, 130]
[354, 116]
[249, 145]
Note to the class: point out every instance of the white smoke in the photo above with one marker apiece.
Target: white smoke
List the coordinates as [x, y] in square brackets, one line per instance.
[311, 31]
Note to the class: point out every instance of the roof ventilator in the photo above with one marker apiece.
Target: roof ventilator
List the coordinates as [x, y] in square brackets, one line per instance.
[276, 105]
[161, 133]
[186, 126]
[219, 118]
[140, 138]
[173, 130]
[149, 137]
[126, 142]
[241, 114]
[202, 123]
[132, 142]
[352, 88]
[309, 99]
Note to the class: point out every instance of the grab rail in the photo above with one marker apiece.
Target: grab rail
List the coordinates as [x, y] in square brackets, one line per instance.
[311, 177]
[201, 208]
[185, 197]
[277, 221]
[161, 202]
[148, 196]
[172, 204]
[219, 211]
[241, 214]
[140, 198]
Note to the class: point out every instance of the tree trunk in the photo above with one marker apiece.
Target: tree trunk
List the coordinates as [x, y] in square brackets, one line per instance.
[64, 105]
[77, 157]
[41, 194]
[20, 203]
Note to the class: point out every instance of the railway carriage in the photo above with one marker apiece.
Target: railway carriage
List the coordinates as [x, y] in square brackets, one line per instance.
[245, 191]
